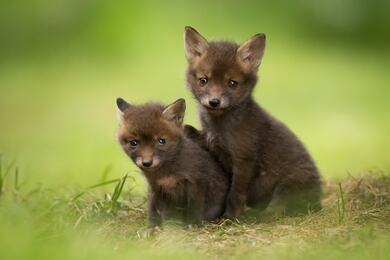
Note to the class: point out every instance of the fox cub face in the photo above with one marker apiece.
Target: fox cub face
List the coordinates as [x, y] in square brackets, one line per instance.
[151, 134]
[221, 75]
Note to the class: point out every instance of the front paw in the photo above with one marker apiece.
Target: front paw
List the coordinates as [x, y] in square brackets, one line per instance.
[148, 232]
[235, 206]
[193, 226]
[272, 213]
[193, 220]
[233, 212]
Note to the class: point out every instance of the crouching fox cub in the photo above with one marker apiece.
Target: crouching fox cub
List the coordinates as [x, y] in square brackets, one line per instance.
[183, 180]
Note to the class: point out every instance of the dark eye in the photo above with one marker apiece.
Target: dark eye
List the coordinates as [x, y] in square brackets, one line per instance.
[203, 81]
[232, 83]
[133, 143]
[161, 140]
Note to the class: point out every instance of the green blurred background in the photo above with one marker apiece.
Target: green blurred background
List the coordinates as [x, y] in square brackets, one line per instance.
[63, 62]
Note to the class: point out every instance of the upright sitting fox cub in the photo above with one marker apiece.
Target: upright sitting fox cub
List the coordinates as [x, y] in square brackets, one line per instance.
[184, 181]
[270, 167]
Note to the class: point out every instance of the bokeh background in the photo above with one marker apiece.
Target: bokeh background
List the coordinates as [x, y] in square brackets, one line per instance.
[63, 62]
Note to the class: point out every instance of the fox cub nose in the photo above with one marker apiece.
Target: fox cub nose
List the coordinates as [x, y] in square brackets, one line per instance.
[214, 102]
[147, 163]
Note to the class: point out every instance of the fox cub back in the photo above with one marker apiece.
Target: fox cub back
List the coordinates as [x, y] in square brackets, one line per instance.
[184, 181]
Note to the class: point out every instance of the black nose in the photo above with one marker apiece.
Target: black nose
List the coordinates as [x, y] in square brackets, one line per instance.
[214, 102]
[147, 163]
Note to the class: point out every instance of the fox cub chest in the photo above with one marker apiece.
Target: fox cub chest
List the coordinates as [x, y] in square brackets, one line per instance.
[171, 184]
[167, 182]
[227, 143]
[220, 147]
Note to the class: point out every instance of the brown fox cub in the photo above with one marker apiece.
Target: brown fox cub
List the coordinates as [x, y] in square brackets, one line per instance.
[183, 180]
[270, 167]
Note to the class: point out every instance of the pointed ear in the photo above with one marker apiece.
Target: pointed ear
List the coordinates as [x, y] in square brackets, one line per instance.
[122, 104]
[250, 53]
[195, 44]
[175, 111]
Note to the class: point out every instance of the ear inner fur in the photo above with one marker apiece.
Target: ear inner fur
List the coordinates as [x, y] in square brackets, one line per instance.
[250, 53]
[175, 111]
[195, 44]
[122, 104]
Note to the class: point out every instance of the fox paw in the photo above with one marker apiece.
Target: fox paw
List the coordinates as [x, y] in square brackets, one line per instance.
[231, 214]
[148, 232]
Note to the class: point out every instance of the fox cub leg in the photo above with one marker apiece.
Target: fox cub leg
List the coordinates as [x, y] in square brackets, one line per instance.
[243, 173]
[295, 195]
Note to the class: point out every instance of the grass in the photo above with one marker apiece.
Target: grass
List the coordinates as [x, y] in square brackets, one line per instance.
[107, 220]
[341, 204]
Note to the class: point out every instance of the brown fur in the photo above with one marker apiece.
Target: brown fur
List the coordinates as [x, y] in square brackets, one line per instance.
[269, 167]
[184, 181]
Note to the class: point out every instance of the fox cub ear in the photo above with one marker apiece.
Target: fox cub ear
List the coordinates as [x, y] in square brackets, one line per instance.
[195, 44]
[122, 104]
[251, 52]
[175, 111]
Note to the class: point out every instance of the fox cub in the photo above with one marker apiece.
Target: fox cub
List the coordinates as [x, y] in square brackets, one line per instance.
[183, 180]
[269, 167]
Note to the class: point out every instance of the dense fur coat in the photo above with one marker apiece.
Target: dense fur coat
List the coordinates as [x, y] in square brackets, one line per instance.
[269, 167]
[184, 181]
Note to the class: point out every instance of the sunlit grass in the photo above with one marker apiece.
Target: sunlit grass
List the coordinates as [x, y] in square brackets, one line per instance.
[108, 220]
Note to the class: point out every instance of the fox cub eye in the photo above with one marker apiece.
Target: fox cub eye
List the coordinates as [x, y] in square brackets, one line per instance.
[161, 140]
[232, 83]
[203, 81]
[133, 143]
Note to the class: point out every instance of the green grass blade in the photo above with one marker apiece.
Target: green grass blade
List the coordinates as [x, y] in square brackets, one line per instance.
[102, 184]
[341, 205]
[94, 186]
[118, 190]
[16, 180]
[1, 174]
[105, 173]
[4, 172]
[114, 194]
[8, 169]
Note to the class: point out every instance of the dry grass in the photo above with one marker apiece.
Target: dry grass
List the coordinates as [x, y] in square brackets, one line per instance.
[354, 223]
[366, 211]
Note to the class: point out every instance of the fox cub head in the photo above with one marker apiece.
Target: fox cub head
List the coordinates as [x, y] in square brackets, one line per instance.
[222, 75]
[151, 134]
